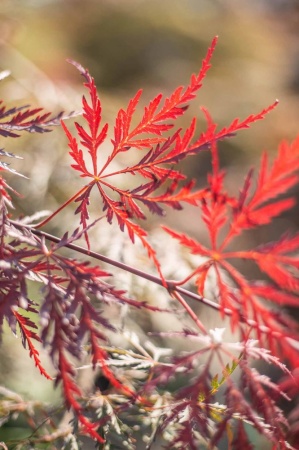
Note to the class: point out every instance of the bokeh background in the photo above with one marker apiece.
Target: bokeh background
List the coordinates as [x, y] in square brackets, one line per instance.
[155, 45]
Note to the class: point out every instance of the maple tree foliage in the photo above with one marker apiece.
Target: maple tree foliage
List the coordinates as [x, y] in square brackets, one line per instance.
[207, 405]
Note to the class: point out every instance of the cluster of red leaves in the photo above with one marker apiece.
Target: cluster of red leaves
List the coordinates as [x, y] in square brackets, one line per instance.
[251, 302]
[72, 289]
[156, 165]
[68, 317]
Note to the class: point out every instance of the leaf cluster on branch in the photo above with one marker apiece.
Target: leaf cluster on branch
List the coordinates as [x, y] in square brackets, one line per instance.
[208, 392]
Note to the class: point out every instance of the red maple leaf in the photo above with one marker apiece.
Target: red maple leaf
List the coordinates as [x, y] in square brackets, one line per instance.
[250, 303]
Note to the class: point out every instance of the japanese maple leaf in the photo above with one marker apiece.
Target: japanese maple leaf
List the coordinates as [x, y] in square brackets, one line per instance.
[252, 304]
[158, 182]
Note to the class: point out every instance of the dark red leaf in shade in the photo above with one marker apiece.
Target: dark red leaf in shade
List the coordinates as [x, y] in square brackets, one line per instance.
[27, 336]
[241, 439]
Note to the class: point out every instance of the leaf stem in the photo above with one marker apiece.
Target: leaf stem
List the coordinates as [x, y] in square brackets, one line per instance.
[170, 285]
[189, 311]
[70, 200]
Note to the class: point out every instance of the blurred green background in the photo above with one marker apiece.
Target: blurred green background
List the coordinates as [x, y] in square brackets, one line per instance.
[155, 45]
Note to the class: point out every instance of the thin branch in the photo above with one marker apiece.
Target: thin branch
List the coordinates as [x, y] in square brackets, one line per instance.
[190, 311]
[170, 285]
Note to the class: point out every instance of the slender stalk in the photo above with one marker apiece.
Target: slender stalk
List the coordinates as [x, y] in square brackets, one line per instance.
[189, 311]
[170, 285]
[70, 200]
